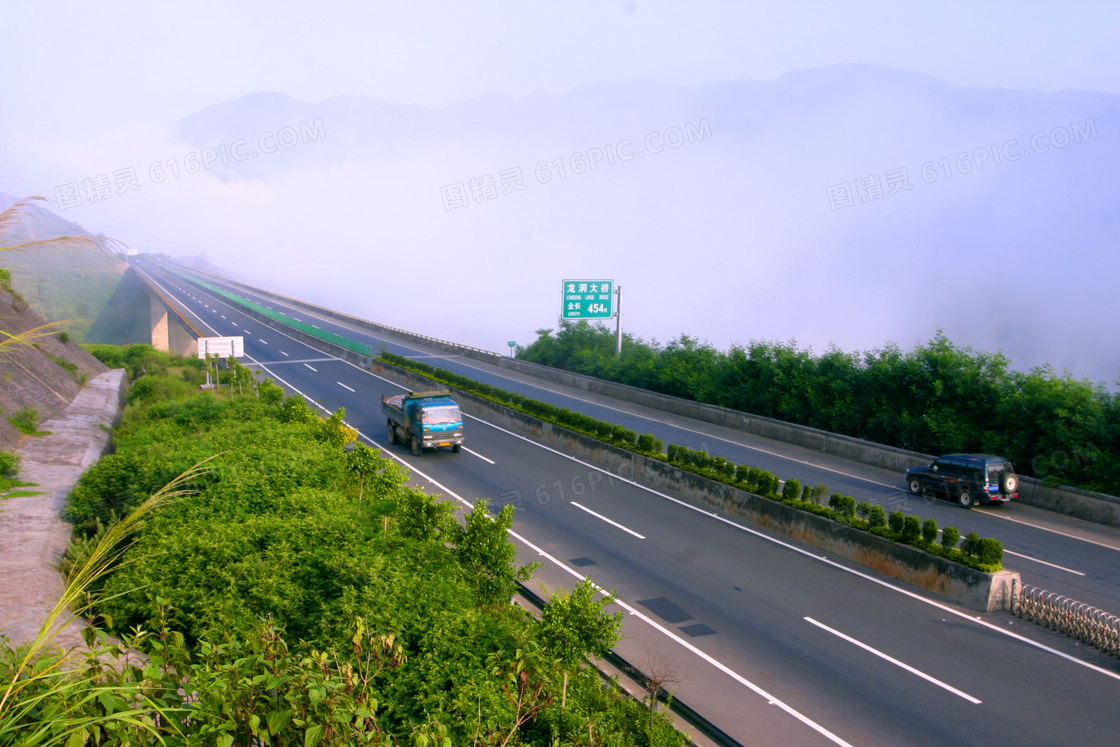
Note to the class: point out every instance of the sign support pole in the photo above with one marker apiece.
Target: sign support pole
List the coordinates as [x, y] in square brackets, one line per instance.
[618, 325]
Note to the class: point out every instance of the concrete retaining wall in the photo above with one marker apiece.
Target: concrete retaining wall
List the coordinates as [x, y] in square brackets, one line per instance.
[1083, 504]
[966, 586]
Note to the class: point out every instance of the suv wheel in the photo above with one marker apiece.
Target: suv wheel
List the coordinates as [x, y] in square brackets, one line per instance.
[964, 497]
[1009, 483]
[915, 486]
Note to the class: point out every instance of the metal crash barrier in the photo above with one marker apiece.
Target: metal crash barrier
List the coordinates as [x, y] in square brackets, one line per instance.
[1087, 624]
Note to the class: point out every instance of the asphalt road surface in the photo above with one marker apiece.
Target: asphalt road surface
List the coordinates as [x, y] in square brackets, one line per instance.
[769, 639]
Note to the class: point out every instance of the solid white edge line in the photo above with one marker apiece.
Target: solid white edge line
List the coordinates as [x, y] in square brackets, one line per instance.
[604, 518]
[896, 662]
[933, 603]
[852, 571]
[634, 612]
[1043, 562]
[1052, 531]
[337, 382]
[472, 452]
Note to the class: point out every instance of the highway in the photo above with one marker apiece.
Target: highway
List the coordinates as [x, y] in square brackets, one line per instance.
[769, 639]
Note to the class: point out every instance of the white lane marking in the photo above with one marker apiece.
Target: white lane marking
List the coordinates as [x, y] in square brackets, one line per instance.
[475, 453]
[316, 326]
[1052, 531]
[247, 331]
[283, 353]
[604, 518]
[337, 382]
[223, 316]
[806, 553]
[896, 662]
[634, 612]
[265, 342]
[311, 367]
[851, 571]
[1043, 562]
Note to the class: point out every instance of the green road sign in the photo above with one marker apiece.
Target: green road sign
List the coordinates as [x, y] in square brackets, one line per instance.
[588, 299]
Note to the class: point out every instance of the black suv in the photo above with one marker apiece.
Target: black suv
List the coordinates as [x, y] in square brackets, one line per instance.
[966, 478]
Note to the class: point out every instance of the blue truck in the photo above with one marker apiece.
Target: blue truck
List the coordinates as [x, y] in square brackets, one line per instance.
[423, 420]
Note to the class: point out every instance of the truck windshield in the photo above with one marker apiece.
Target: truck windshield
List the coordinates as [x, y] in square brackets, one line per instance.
[440, 415]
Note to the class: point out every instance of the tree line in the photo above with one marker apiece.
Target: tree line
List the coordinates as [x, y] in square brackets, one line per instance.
[936, 398]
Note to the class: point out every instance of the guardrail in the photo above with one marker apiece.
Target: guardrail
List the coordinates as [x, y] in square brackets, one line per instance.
[350, 317]
[1098, 628]
[353, 345]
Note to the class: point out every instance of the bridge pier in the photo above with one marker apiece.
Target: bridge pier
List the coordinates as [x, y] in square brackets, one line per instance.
[168, 333]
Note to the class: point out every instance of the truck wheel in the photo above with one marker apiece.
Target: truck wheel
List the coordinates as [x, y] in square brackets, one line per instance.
[456, 448]
[416, 450]
[392, 431]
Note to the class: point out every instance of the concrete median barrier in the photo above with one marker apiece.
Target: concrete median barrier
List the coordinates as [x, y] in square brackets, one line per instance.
[966, 586]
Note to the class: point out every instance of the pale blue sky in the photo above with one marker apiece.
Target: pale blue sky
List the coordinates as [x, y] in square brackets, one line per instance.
[91, 88]
[79, 67]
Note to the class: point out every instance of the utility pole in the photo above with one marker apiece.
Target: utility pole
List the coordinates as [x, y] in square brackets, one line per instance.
[618, 325]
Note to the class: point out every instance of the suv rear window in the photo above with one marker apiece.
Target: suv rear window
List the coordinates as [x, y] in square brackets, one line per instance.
[997, 471]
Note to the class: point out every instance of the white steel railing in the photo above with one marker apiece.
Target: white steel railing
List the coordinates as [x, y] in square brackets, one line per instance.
[1078, 620]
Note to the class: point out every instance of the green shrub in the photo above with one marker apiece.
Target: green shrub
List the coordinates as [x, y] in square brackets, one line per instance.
[26, 421]
[791, 490]
[743, 473]
[990, 551]
[877, 517]
[971, 544]
[767, 483]
[863, 510]
[673, 454]
[911, 528]
[649, 444]
[755, 476]
[929, 531]
[843, 504]
[950, 536]
[63, 338]
[896, 521]
[9, 463]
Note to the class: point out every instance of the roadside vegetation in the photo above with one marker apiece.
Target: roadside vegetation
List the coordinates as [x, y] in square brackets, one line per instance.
[982, 554]
[304, 594]
[936, 399]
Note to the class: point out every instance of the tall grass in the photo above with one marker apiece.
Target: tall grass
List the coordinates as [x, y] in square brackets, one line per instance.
[47, 696]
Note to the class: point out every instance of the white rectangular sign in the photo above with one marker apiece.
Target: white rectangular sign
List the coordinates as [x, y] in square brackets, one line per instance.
[223, 347]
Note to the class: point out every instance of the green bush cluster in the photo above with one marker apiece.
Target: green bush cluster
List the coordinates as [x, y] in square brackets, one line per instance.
[275, 549]
[937, 398]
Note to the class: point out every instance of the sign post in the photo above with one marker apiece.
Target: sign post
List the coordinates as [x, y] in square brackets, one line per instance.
[512, 344]
[618, 325]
